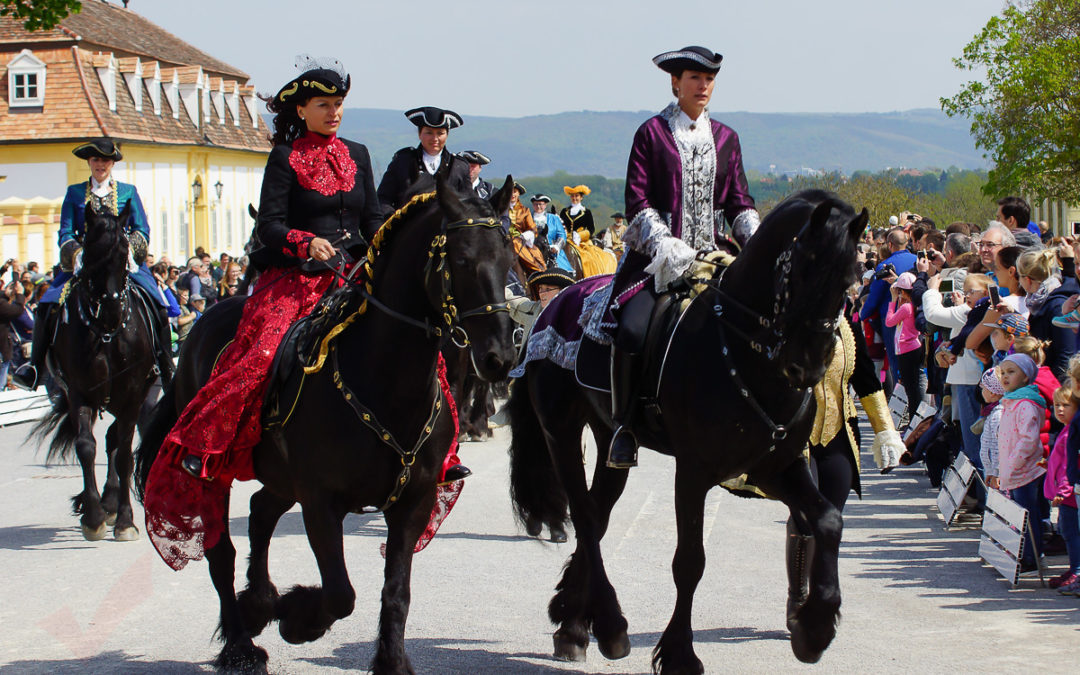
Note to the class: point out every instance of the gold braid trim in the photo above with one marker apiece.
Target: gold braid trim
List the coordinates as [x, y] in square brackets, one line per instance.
[377, 243]
[877, 411]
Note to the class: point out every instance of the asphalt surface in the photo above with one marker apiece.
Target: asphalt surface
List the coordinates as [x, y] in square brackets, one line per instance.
[915, 596]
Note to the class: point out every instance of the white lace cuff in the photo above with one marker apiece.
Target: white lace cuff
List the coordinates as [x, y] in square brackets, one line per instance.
[672, 258]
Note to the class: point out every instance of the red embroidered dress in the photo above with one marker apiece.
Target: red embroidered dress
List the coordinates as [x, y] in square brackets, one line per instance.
[320, 186]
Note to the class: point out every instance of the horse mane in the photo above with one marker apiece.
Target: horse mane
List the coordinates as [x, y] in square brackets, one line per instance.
[113, 245]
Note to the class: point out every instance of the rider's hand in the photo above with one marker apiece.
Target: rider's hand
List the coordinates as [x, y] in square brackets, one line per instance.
[321, 249]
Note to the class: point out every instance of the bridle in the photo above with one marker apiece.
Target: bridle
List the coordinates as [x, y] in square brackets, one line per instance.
[87, 301]
[765, 334]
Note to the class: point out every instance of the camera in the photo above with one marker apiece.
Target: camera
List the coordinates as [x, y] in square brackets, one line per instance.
[921, 255]
[885, 272]
[1076, 228]
[912, 216]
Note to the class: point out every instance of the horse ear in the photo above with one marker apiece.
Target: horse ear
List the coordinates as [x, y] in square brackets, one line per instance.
[820, 217]
[858, 224]
[125, 213]
[451, 204]
[501, 199]
[253, 212]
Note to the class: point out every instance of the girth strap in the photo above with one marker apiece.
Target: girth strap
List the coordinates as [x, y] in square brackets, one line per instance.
[408, 457]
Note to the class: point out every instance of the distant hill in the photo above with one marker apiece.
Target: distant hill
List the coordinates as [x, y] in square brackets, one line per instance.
[597, 143]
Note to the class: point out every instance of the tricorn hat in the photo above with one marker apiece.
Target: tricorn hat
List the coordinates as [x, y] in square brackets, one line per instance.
[551, 277]
[689, 58]
[104, 148]
[436, 118]
[618, 214]
[318, 77]
[541, 198]
[474, 157]
[519, 187]
[577, 189]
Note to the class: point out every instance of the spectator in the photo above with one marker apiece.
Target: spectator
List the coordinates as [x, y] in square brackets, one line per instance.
[958, 228]
[1020, 450]
[184, 321]
[909, 347]
[230, 281]
[1015, 214]
[223, 263]
[172, 278]
[992, 391]
[996, 237]
[198, 305]
[11, 308]
[1045, 293]
[161, 273]
[1045, 382]
[1059, 490]
[896, 261]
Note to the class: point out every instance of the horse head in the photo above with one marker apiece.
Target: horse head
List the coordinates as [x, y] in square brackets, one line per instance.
[478, 259]
[808, 243]
[105, 251]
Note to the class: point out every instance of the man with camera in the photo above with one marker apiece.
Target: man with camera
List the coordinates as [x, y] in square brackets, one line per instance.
[900, 260]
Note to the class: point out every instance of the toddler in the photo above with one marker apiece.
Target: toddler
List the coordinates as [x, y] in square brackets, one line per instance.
[1019, 447]
[1004, 332]
[992, 391]
[1059, 491]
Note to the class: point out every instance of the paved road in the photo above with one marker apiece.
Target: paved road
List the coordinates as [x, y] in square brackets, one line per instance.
[916, 599]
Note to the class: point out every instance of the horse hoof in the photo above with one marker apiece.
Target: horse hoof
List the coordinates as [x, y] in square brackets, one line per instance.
[616, 648]
[533, 527]
[126, 533]
[110, 519]
[242, 658]
[95, 535]
[567, 650]
[558, 535]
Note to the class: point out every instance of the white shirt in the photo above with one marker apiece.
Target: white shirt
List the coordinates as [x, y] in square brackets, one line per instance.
[431, 162]
[576, 209]
[100, 189]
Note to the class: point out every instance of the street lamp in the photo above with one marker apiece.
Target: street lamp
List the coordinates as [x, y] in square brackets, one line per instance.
[196, 190]
[217, 189]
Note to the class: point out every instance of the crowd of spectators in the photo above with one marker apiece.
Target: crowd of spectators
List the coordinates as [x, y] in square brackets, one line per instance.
[982, 324]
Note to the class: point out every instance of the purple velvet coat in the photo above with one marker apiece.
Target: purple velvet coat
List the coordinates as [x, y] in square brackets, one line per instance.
[654, 173]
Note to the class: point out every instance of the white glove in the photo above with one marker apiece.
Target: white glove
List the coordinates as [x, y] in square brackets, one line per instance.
[577, 238]
[529, 237]
[887, 448]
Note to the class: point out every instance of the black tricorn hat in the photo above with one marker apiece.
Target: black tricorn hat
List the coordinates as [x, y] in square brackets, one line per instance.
[689, 58]
[436, 118]
[541, 198]
[104, 148]
[551, 277]
[474, 157]
[618, 214]
[317, 82]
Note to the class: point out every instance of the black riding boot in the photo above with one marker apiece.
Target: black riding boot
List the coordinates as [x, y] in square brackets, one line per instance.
[28, 376]
[164, 347]
[800, 550]
[624, 375]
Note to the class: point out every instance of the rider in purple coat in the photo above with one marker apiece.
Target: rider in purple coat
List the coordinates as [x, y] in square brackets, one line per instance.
[685, 173]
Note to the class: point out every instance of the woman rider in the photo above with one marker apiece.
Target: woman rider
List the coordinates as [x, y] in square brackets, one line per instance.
[411, 166]
[685, 170]
[318, 202]
[104, 194]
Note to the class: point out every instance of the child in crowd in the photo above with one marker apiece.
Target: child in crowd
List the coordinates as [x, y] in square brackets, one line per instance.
[992, 391]
[1019, 447]
[1059, 491]
[909, 352]
[1004, 332]
[1045, 381]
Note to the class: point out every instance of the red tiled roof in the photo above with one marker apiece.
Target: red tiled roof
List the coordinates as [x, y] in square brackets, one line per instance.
[111, 27]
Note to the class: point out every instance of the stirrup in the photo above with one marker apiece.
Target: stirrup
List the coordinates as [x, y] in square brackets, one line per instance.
[620, 459]
[26, 377]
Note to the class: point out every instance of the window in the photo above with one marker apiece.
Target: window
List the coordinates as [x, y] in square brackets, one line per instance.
[26, 80]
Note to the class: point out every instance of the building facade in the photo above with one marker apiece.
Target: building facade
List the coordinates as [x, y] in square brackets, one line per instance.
[193, 142]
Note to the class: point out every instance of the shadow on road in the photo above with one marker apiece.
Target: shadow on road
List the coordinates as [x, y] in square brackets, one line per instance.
[106, 662]
[432, 655]
[30, 537]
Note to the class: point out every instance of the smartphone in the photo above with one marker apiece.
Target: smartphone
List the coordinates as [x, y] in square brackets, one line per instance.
[1076, 228]
[921, 255]
[912, 216]
[946, 286]
[995, 297]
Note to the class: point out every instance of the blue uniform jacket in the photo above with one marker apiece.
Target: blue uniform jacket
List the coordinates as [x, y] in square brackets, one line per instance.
[73, 212]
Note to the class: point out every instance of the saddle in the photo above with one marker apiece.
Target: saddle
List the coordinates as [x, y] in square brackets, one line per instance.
[300, 348]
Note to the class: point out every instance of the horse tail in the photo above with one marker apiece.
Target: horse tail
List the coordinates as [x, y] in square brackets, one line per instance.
[58, 424]
[162, 419]
[535, 487]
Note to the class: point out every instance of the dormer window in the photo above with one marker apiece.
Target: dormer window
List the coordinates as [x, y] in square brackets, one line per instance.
[26, 81]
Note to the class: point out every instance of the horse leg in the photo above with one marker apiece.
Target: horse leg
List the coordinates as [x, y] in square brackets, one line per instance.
[585, 597]
[813, 623]
[257, 601]
[110, 496]
[305, 613]
[675, 651]
[239, 652]
[403, 528]
[88, 502]
[124, 462]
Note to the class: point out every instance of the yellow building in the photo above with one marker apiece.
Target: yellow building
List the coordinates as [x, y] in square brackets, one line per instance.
[193, 142]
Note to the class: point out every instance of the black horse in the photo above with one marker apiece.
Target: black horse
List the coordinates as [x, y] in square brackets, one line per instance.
[735, 399]
[370, 429]
[102, 358]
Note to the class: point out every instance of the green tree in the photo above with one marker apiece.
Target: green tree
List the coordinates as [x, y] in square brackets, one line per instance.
[1026, 114]
[39, 14]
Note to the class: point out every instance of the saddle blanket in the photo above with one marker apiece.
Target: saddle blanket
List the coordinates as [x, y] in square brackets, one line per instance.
[558, 331]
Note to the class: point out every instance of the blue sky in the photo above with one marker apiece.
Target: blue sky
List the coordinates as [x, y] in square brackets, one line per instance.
[514, 58]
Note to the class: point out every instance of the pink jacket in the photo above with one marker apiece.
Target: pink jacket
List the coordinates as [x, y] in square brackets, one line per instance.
[907, 335]
[1057, 483]
[1019, 445]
